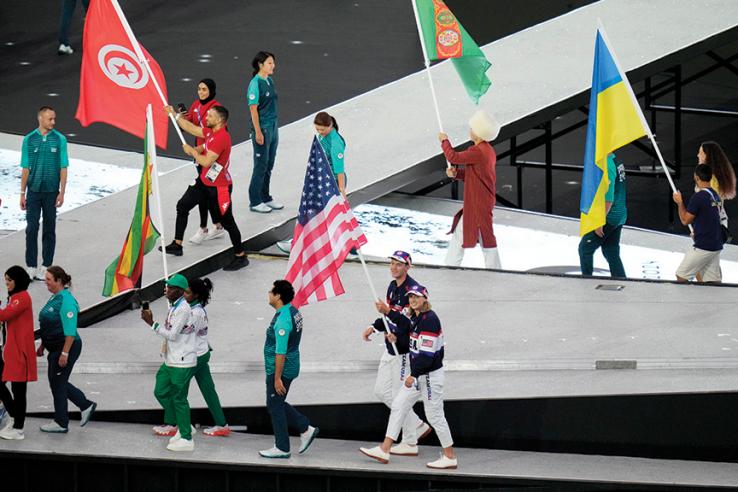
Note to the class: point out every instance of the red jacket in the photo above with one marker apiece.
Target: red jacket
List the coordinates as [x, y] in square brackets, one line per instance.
[479, 177]
[197, 115]
[19, 351]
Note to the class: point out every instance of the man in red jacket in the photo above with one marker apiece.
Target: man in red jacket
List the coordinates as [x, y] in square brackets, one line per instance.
[476, 168]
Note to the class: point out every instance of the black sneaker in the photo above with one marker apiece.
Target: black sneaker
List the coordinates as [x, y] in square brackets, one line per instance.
[237, 263]
[173, 249]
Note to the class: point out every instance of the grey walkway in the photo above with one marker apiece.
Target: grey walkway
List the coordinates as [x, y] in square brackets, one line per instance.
[108, 441]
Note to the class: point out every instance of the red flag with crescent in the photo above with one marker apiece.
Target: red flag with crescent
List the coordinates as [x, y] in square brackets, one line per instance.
[114, 86]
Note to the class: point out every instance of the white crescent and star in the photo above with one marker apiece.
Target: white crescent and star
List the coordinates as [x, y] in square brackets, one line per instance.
[121, 65]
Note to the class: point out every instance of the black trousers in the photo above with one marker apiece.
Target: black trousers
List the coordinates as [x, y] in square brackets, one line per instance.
[14, 403]
[194, 196]
[61, 389]
[226, 219]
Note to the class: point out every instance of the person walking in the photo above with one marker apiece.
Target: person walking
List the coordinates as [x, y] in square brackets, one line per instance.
[214, 155]
[474, 222]
[65, 20]
[702, 212]
[44, 164]
[18, 360]
[334, 146]
[180, 362]
[58, 332]
[196, 192]
[282, 365]
[261, 96]
[425, 380]
[607, 237]
[394, 368]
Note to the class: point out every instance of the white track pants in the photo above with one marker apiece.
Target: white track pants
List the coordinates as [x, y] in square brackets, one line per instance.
[455, 253]
[430, 389]
[391, 376]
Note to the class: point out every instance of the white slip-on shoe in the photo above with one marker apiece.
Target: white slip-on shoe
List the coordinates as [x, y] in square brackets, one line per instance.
[199, 236]
[12, 434]
[54, 428]
[377, 454]
[181, 445]
[307, 438]
[274, 452]
[86, 414]
[261, 208]
[274, 205]
[444, 463]
[404, 449]
[215, 233]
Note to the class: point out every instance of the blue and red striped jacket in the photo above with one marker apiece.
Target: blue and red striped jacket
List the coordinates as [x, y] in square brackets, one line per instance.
[425, 340]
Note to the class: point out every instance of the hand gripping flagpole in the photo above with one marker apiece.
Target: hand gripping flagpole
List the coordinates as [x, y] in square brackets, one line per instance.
[427, 69]
[641, 116]
[157, 194]
[375, 296]
[142, 59]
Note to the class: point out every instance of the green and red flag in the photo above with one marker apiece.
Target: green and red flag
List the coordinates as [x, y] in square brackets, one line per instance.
[125, 270]
[444, 37]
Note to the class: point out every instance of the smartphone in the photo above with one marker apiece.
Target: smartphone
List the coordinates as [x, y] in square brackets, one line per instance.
[182, 108]
[145, 305]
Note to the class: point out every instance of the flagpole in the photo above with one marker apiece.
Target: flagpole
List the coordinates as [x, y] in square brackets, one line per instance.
[157, 194]
[375, 296]
[427, 69]
[142, 59]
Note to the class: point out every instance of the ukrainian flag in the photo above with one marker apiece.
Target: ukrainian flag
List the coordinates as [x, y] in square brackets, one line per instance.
[615, 120]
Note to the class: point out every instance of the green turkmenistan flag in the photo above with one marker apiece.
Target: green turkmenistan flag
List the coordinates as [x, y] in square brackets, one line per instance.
[444, 37]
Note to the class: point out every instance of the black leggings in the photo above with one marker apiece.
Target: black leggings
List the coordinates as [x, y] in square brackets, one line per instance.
[226, 220]
[15, 403]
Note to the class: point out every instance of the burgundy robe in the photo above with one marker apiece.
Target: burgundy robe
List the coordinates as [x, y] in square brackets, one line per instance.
[479, 177]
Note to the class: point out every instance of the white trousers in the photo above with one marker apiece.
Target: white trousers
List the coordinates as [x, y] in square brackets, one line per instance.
[455, 253]
[430, 389]
[391, 376]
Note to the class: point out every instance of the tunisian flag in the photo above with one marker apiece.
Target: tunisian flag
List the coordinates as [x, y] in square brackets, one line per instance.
[114, 85]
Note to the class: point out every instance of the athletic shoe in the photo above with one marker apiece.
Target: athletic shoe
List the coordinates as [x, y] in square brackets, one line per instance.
[12, 434]
[40, 273]
[274, 205]
[274, 452]
[31, 272]
[9, 422]
[165, 430]
[199, 236]
[377, 454]
[237, 263]
[86, 414]
[173, 249]
[217, 431]
[177, 436]
[307, 438]
[181, 445]
[64, 49]
[215, 233]
[444, 463]
[54, 428]
[423, 431]
[404, 449]
[262, 208]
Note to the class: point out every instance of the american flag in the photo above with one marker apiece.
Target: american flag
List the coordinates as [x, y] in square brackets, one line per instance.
[325, 232]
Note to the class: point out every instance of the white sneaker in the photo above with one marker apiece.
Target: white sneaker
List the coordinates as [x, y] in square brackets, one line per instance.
[215, 233]
[199, 236]
[444, 463]
[217, 431]
[404, 449]
[181, 445]
[40, 273]
[274, 452]
[377, 454]
[423, 430]
[54, 428]
[8, 423]
[274, 205]
[177, 436]
[65, 49]
[12, 434]
[261, 208]
[165, 430]
[307, 438]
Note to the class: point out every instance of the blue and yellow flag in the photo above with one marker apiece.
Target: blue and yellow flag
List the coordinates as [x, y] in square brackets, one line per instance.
[615, 120]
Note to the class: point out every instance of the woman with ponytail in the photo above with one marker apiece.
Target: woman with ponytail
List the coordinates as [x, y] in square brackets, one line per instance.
[334, 146]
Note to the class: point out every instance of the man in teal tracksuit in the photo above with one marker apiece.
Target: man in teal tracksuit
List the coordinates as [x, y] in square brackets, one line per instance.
[607, 237]
[282, 364]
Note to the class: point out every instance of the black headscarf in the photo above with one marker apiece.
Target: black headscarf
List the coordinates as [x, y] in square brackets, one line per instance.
[21, 278]
[211, 86]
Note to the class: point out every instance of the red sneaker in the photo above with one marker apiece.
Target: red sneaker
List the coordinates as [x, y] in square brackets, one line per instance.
[165, 430]
[218, 431]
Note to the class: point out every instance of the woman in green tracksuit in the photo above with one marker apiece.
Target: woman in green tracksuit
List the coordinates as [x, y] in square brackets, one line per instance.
[334, 146]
